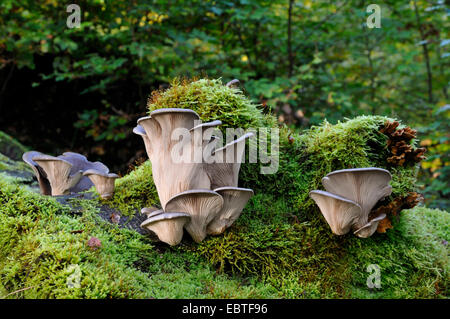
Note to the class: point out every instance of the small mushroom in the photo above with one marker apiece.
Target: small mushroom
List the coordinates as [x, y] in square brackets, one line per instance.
[339, 212]
[150, 131]
[44, 184]
[370, 228]
[201, 204]
[167, 226]
[234, 201]
[151, 211]
[232, 83]
[365, 186]
[58, 173]
[80, 163]
[224, 169]
[104, 182]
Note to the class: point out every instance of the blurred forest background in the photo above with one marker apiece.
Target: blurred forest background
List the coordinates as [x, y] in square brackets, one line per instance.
[82, 89]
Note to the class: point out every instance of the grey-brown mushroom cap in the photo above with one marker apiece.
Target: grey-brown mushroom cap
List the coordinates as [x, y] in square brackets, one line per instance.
[370, 228]
[206, 125]
[139, 130]
[100, 173]
[44, 184]
[360, 169]
[339, 212]
[235, 199]
[80, 163]
[167, 226]
[173, 110]
[201, 204]
[151, 211]
[366, 186]
[232, 82]
[164, 216]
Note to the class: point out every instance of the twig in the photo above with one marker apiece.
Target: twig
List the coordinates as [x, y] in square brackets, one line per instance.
[17, 291]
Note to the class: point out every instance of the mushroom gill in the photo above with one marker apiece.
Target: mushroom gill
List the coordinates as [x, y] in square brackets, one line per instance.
[167, 226]
[234, 201]
[44, 183]
[339, 212]
[104, 182]
[201, 204]
[58, 172]
[368, 229]
[224, 169]
[366, 186]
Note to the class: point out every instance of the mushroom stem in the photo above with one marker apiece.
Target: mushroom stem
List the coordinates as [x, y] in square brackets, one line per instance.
[224, 168]
[234, 201]
[104, 182]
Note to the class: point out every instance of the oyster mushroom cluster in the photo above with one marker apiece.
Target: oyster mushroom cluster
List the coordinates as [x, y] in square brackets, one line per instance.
[70, 173]
[197, 183]
[349, 198]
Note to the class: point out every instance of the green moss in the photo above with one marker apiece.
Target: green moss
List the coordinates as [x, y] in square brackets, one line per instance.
[280, 246]
[212, 101]
[7, 164]
[135, 190]
[40, 239]
[11, 147]
[413, 257]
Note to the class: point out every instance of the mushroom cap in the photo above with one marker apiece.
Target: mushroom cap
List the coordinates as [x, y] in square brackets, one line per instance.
[201, 204]
[339, 212]
[232, 82]
[139, 130]
[368, 229]
[59, 174]
[234, 201]
[365, 186]
[174, 110]
[44, 184]
[167, 226]
[100, 173]
[206, 125]
[80, 163]
[151, 211]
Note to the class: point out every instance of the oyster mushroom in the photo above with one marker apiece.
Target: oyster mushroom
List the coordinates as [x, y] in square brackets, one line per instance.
[44, 184]
[201, 204]
[339, 212]
[104, 182]
[58, 172]
[234, 201]
[365, 186]
[151, 211]
[167, 226]
[224, 170]
[80, 163]
[368, 229]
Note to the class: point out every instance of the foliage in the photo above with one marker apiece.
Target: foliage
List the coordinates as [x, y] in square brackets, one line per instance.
[436, 169]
